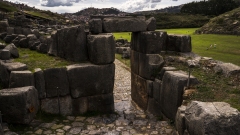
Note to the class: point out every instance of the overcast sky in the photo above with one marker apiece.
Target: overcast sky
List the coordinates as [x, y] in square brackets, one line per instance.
[71, 6]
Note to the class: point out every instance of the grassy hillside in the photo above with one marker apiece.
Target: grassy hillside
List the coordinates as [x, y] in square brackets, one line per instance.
[227, 23]
[178, 20]
[4, 7]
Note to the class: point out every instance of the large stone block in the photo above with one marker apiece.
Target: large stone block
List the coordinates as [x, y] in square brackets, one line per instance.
[72, 44]
[134, 62]
[56, 82]
[163, 70]
[21, 79]
[213, 118]
[3, 26]
[92, 79]
[9, 38]
[95, 26]
[149, 42]
[26, 31]
[124, 24]
[5, 54]
[79, 106]
[101, 49]
[13, 50]
[179, 43]
[40, 83]
[31, 38]
[140, 88]
[19, 105]
[101, 103]
[150, 65]
[180, 120]
[173, 84]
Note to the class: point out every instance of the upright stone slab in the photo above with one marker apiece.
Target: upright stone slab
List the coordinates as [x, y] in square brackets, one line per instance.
[173, 84]
[101, 103]
[53, 46]
[92, 79]
[19, 105]
[179, 43]
[56, 82]
[21, 79]
[72, 44]
[149, 42]
[101, 49]
[95, 26]
[139, 90]
[124, 24]
[151, 24]
[150, 65]
[40, 83]
[215, 118]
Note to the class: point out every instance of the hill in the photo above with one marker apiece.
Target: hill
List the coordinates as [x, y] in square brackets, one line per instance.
[227, 23]
[6, 7]
[97, 11]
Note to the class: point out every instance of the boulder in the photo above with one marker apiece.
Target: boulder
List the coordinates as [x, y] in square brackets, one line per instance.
[95, 26]
[150, 65]
[31, 38]
[21, 79]
[26, 31]
[18, 30]
[101, 103]
[3, 26]
[23, 43]
[134, 62]
[179, 43]
[180, 120]
[92, 79]
[56, 82]
[10, 30]
[123, 24]
[36, 33]
[53, 46]
[72, 44]
[40, 83]
[101, 49]
[5, 54]
[17, 39]
[140, 88]
[173, 84]
[19, 105]
[34, 45]
[150, 42]
[9, 38]
[15, 66]
[3, 35]
[228, 69]
[151, 24]
[42, 48]
[79, 105]
[13, 50]
[215, 118]
[2, 46]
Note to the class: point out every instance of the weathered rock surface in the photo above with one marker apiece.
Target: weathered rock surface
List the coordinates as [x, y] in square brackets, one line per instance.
[179, 43]
[101, 48]
[19, 105]
[13, 50]
[134, 62]
[228, 69]
[151, 24]
[95, 26]
[40, 83]
[92, 79]
[123, 24]
[149, 42]
[31, 38]
[3, 26]
[172, 91]
[9, 38]
[101, 103]
[56, 82]
[215, 118]
[21, 79]
[180, 120]
[5, 54]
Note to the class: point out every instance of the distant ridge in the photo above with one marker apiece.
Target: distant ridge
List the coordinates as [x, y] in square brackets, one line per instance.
[97, 11]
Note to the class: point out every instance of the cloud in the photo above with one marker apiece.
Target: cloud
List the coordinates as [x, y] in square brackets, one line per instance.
[55, 3]
[138, 5]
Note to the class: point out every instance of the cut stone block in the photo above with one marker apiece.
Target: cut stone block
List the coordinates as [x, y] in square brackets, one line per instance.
[71, 47]
[19, 105]
[92, 79]
[21, 79]
[101, 103]
[173, 84]
[180, 120]
[5, 54]
[40, 83]
[150, 65]
[215, 118]
[95, 26]
[150, 42]
[101, 49]
[151, 24]
[79, 106]
[56, 82]
[123, 24]
[139, 90]
[134, 62]
[179, 43]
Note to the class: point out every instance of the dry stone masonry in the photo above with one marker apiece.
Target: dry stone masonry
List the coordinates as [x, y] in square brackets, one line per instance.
[88, 85]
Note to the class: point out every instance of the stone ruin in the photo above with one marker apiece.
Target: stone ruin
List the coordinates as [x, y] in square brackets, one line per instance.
[86, 87]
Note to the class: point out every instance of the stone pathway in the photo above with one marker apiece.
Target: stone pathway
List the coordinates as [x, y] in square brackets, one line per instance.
[128, 119]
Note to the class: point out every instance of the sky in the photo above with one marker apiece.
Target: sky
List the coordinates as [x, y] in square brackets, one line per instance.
[72, 6]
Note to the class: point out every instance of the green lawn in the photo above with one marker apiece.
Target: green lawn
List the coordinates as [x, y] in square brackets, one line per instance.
[124, 35]
[227, 46]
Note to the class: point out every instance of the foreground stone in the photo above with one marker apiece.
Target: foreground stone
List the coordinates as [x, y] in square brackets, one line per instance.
[95, 26]
[215, 118]
[21, 79]
[19, 105]
[124, 24]
[227, 69]
[179, 43]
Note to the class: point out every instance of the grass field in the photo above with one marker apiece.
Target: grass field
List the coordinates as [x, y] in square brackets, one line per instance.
[227, 46]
